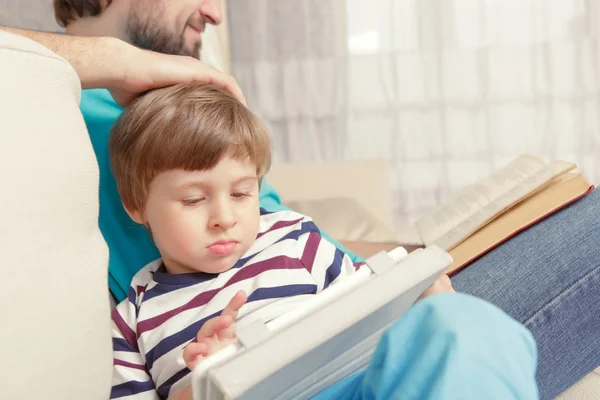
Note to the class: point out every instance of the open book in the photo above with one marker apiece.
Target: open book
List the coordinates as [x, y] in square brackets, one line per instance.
[492, 210]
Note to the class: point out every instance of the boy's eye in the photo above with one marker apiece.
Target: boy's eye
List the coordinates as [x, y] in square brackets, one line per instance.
[239, 195]
[192, 201]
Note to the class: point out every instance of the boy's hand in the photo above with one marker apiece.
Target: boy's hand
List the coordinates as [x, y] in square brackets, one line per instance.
[441, 285]
[216, 333]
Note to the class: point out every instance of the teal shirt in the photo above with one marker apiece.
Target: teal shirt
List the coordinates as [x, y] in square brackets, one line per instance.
[130, 245]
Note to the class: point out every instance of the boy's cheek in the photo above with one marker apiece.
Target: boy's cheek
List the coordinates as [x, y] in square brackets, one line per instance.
[184, 246]
[178, 232]
[187, 233]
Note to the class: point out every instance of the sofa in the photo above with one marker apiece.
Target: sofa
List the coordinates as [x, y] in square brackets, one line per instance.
[56, 329]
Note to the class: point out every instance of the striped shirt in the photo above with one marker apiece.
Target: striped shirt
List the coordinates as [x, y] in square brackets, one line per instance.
[288, 261]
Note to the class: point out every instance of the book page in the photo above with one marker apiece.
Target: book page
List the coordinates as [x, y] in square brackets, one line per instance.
[553, 197]
[474, 197]
[522, 190]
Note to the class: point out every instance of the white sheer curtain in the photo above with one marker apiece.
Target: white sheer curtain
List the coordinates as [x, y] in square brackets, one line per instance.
[445, 90]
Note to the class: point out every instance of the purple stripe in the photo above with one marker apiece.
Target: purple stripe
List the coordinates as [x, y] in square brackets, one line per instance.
[310, 251]
[279, 292]
[307, 226]
[128, 364]
[131, 296]
[140, 290]
[265, 212]
[252, 270]
[153, 323]
[163, 390]
[248, 272]
[120, 344]
[333, 271]
[279, 225]
[126, 331]
[130, 388]
[167, 283]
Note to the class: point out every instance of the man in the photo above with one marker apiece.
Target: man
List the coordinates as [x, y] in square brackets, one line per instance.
[538, 277]
[152, 25]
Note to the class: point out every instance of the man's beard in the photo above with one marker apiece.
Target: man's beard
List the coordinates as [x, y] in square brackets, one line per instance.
[144, 31]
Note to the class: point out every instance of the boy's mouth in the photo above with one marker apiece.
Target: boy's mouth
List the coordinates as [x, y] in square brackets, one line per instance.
[223, 247]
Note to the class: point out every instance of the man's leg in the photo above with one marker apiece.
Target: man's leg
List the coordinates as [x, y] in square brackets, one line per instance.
[548, 278]
[448, 346]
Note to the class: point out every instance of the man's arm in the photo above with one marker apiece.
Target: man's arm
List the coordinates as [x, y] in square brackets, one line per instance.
[126, 71]
[89, 56]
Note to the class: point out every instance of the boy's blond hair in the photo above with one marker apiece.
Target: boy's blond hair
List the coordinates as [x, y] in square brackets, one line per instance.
[188, 126]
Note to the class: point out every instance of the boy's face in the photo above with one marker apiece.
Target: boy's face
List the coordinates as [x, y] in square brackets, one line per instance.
[204, 220]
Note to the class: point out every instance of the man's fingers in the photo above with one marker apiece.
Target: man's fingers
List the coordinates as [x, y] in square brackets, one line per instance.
[225, 81]
[167, 70]
[213, 326]
[214, 76]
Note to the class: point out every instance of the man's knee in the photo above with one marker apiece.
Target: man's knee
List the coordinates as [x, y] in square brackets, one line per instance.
[455, 346]
[478, 341]
[470, 321]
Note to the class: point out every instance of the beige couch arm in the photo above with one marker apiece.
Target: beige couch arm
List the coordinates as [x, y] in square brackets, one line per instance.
[55, 336]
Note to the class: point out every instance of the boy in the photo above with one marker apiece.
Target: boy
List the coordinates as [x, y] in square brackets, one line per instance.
[188, 161]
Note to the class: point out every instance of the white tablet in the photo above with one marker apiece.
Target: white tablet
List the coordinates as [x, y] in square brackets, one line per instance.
[331, 336]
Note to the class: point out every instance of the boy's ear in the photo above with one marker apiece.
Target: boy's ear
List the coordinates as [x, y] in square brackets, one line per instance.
[136, 215]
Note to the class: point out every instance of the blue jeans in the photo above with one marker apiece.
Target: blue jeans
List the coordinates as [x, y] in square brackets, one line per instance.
[548, 278]
[447, 347]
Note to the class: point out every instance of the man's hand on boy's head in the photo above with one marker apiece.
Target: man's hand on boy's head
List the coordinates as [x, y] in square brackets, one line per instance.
[216, 333]
[144, 70]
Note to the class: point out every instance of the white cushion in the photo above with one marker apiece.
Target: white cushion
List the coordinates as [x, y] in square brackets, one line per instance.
[55, 336]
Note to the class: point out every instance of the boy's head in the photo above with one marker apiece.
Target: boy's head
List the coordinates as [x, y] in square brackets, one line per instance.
[188, 160]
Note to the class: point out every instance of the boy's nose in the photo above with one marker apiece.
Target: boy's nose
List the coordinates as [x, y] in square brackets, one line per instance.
[222, 216]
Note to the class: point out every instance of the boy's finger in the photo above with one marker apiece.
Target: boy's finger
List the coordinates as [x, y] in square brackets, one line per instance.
[235, 304]
[192, 352]
[213, 326]
[232, 311]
